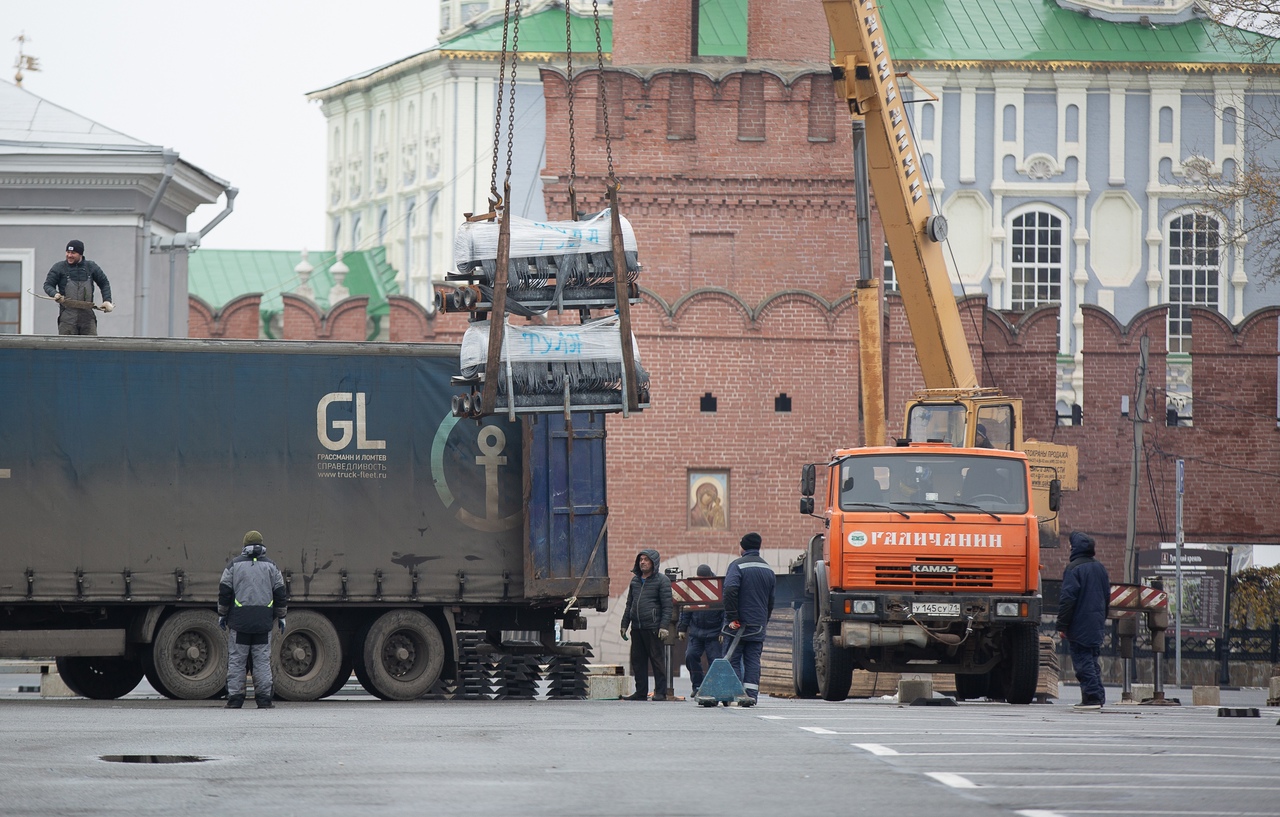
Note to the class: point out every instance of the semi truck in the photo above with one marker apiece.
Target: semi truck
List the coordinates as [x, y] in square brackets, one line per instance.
[130, 470]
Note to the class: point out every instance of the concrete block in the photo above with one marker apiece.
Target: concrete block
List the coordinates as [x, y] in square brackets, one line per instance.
[1206, 696]
[911, 688]
[1274, 687]
[52, 686]
[608, 687]
[1144, 692]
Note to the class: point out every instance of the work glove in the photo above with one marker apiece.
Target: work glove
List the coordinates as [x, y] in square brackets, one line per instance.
[222, 622]
[107, 306]
[682, 635]
[663, 633]
[281, 623]
[59, 297]
[734, 625]
[623, 632]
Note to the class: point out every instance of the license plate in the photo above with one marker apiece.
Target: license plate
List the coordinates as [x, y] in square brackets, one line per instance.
[935, 608]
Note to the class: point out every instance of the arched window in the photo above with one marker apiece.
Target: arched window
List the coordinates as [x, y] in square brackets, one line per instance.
[357, 232]
[1037, 257]
[1194, 259]
[355, 136]
[382, 227]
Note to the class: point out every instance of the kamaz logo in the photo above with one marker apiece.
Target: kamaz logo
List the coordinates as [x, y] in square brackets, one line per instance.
[935, 568]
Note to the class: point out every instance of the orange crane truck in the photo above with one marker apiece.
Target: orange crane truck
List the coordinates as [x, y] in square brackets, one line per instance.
[930, 561]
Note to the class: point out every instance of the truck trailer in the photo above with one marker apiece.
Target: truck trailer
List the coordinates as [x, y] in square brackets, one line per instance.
[130, 470]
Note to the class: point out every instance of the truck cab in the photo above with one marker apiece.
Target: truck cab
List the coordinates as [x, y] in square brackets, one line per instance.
[929, 563]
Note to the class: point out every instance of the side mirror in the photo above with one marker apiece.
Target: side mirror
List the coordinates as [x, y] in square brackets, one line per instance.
[806, 505]
[808, 476]
[1055, 494]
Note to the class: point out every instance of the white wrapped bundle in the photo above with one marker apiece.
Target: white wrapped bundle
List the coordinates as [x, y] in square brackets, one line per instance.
[596, 342]
[478, 240]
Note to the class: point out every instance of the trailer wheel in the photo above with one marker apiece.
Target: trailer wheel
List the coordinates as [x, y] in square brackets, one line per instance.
[972, 686]
[344, 675]
[190, 655]
[153, 677]
[100, 677]
[804, 672]
[1019, 670]
[307, 659]
[402, 655]
[833, 665]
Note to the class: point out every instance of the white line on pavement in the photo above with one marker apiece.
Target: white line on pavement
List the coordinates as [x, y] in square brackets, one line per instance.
[818, 730]
[1035, 812]
[876, 749]
[955, 781]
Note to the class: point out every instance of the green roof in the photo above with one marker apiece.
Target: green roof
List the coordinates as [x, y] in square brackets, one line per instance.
[540, 32]
[722, 28]
[219, 276]
[1018, 31]
[722, 32]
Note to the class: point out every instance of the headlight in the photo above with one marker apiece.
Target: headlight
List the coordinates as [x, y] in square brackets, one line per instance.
[1007, 608]
[864, 606]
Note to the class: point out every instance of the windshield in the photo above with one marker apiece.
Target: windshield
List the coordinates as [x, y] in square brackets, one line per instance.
[937, 423]
[947, 482]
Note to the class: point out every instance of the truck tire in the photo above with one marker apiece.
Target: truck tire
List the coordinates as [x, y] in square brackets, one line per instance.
[344, 675]
[101, 678]
[804, 672]
[190, 655]
[833, 665]
[306, 660]
[402, 655]
[153, 677]
[1019, 670]
[971, 686]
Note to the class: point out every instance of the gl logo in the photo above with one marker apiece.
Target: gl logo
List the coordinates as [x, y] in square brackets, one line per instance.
[344, 427]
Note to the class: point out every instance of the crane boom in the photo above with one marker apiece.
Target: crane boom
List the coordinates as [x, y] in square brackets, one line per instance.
[866, 78]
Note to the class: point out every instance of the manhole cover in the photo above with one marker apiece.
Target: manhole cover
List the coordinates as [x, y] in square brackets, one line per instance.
[155, 758]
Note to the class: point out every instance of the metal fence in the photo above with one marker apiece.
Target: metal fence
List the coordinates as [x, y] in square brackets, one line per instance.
[1239, 645]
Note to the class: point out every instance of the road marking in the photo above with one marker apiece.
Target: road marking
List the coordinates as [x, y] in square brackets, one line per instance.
[955, 781]
[876, 749]
[961, 751]
[818, 730]
[771, 717]
[4, 473]
[1035, 812]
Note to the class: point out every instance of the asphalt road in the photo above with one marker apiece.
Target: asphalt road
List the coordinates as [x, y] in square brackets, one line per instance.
[355, 755]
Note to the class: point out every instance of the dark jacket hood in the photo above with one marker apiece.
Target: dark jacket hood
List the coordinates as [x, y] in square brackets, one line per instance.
[1081, 545]
[653, 557]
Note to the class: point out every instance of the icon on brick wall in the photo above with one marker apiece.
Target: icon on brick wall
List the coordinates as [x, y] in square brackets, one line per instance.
[709, 500]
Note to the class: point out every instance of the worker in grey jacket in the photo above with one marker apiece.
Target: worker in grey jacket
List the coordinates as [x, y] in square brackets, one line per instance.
[72, 282]
[251, 596]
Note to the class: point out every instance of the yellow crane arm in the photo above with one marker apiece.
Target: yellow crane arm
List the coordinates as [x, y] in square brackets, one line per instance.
[865, 77]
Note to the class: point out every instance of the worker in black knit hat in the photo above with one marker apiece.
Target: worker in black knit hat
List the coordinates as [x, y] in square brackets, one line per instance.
[71, 283]
[748, 605]
[702, 629]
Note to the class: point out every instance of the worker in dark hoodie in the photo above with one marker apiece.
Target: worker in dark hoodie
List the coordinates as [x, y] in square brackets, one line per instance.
[1082, 616]
[648, 616]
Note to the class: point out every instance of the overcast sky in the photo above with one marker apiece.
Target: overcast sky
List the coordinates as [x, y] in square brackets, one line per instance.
[223, 84]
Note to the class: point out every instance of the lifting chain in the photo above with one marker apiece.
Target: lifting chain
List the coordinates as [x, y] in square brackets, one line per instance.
[511, 96]
[495, 200]
[573, 151]
[604, 97]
